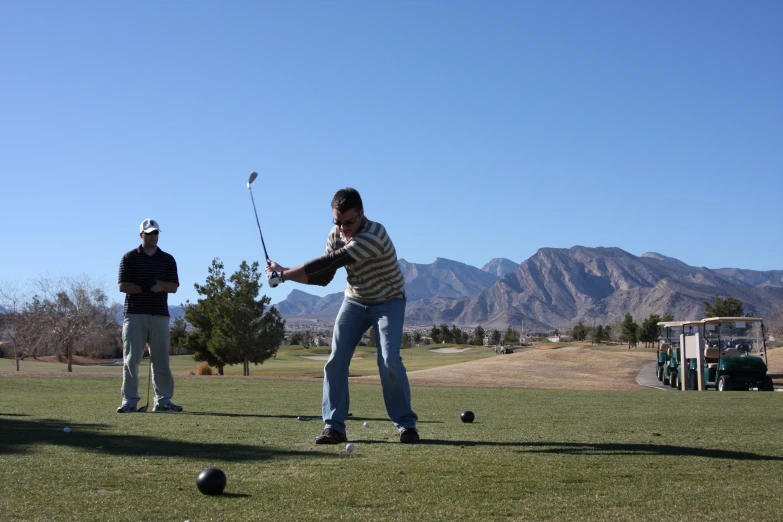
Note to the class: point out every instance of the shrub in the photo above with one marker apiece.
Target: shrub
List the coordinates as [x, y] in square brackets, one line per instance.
[203, 369]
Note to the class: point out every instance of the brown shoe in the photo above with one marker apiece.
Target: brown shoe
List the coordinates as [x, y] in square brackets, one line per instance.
[330, 436]
[409, 436]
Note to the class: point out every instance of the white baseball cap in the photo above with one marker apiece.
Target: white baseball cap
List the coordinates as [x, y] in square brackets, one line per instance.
[148, 225]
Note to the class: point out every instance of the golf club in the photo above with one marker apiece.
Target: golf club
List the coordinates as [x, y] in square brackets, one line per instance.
[273, 278]
[149, 381]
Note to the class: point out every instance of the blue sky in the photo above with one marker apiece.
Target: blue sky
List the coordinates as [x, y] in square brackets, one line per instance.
[473, 130]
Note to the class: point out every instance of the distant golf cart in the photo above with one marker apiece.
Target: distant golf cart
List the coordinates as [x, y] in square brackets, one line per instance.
[735, 354]
[506, 349]
[668, 353]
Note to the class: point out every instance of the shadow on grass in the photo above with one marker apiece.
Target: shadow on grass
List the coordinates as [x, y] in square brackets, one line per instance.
[584, 448]
[295, 417]
[576, 448]
[19, 435]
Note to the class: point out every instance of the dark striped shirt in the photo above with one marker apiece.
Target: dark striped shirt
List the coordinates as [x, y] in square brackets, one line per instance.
[374, 276]
[141, 269]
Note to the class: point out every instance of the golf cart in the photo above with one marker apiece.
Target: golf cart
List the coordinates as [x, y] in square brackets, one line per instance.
[735, 354]
[690, 339]
[668, 353]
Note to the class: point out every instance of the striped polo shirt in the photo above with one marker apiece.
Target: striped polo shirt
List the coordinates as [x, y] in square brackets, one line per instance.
[141, 269]
[374, 276]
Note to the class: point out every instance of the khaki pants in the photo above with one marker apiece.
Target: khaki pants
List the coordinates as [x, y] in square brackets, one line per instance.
[139, 330]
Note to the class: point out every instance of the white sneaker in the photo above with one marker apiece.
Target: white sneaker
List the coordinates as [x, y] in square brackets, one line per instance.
[126, 407]
[166, 407]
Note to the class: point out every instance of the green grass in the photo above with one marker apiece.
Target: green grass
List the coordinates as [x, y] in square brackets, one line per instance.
[531, 454]
[290, 362]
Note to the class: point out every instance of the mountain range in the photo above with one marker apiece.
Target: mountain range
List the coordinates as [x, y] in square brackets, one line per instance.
[558, 287]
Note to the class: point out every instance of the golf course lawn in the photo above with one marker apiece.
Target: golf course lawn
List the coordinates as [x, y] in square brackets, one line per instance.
[291, 361]
[531, 454]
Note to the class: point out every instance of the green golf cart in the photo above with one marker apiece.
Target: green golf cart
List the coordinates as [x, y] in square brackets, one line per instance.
[735, 354]
[668, 352]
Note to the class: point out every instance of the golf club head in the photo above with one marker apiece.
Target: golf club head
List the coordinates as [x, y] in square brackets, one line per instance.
[143, 409]
[253, 176]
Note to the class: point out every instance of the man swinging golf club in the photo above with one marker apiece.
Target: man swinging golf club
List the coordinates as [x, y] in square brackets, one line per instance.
[147, 276]
[374, 298]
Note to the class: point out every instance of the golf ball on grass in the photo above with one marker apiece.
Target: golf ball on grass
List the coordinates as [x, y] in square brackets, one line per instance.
[366, 424]
[467, 416]
[349, 448]
[67, 429]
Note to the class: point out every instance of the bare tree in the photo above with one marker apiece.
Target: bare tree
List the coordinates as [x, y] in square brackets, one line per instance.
[12, 299]
[71, 313]
[774, 325]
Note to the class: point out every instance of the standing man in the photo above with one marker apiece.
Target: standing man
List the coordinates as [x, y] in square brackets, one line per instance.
[374, 298]
[147, 276]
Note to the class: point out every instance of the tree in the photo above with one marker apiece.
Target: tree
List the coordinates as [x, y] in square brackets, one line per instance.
[303, 339]
[230, 324]
[648, 332]
[667, 317]
[729, 307]
[202, 315]
[68, 315]
[79, 317]
[435, 335]
[446, 334]
[372, 339]
[496, 335]
[774, 325]
[579, 333]
[12, 299]
[511, 336]
[417, 337]
[177, 333]
[597, 334]
[478, 336]
[457, 335]
[629, 331]
[406, 340]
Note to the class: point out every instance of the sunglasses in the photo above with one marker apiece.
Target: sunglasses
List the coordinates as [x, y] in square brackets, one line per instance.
[153, 233]
[347, 222]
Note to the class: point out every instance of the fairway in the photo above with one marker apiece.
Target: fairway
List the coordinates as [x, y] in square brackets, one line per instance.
[532, 454]
[291, 361]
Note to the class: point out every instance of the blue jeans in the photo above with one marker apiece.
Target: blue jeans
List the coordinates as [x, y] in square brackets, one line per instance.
[352, 321]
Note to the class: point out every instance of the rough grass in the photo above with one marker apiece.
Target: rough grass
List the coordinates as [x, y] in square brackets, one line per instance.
[530, 455]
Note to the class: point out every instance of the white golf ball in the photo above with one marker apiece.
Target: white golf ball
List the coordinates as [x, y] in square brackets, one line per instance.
[349, 448]
[67, 429]
[366, 425]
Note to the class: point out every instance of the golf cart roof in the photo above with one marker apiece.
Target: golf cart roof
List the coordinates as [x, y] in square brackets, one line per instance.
[670, 323]
[713, 320]
[693, 321]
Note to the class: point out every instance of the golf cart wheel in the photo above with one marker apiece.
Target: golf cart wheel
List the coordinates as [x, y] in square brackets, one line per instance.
[673, 379]
[766, 384]
[659, 373]
[724, 383]
[665, 380]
